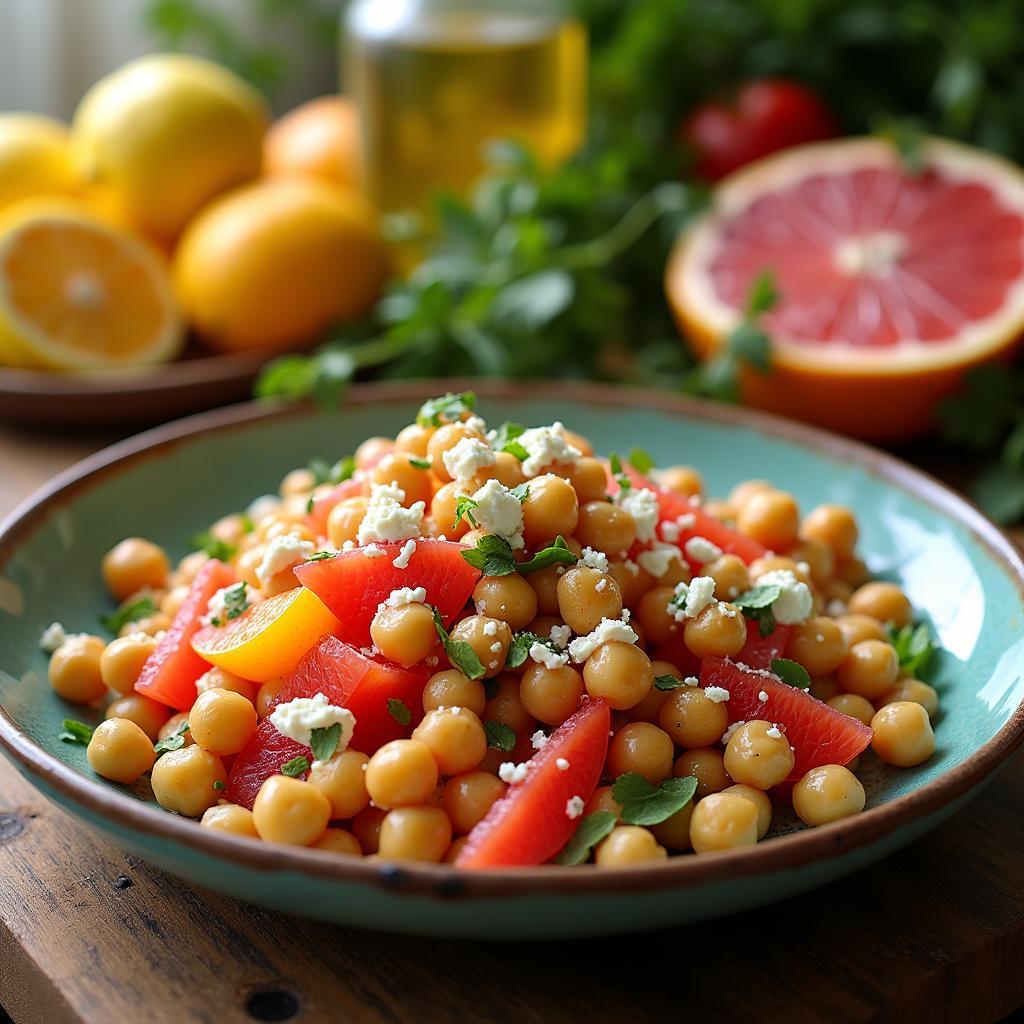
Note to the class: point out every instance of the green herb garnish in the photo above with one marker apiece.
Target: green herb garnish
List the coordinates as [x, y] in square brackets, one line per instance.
[459, 652]
[448, 408]
[519, 649]
[557, 554]
[914, 647]
[325, 472]
[76, 732]
[295, 767]
[668, 682]
[500, 736]
[756, 604]
[214, 547]
[792, 673]
[218, 785]
[175, 741]
[641, 460]
[236, 601]
[643, 803]
[419, 463]
[589, 832]
[398, 711]
[506, 440]
[131, 611]
[324, 742]
[464, 509]
[620, 475]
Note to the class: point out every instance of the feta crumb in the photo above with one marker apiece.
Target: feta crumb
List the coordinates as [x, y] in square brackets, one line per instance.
[727, 735]
[500, 512]
[476, 424]
[642, 505]
[373, 551]
[719, 694]
[349, 545]
[512, 773]
[560, 635]
[600, 585]
[595, 559]
[690, 599]
[299, 717]
[216, 607]
[762, 696]
[774, 733]
[466, 458]
[543, 655]
[795, 604]
[403, 596]
[561, 764]
[495, 647]
[491, 627]
[538, 739]
[702, 551]
[691, 681]
[386, 519]
[672, 528]
[546, 446]
[492, 664]
[52, 637]
[657, 560]
[281, 554]
[607, 630]
[574, 807]
[402, 559]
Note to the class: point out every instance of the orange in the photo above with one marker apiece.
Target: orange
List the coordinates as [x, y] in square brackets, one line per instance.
[272, 265]
[79, 294]
[892, 284]
[270, 638]
[319, 139]
[34, 158]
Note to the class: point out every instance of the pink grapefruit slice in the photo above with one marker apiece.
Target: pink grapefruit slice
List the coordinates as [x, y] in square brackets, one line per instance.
[892, 284]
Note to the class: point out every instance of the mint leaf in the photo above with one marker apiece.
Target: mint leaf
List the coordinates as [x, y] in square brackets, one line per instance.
[492, 556]
[640, 460]
[621, 478]
[398, 711]
[763, 295]
[295, 767]
[756, 603]
[914, 647]
[131, 611]
[324, 742]
[76, 732]
[326, 473]
[519, 649]
[214, 546]
[643, 803]
[464, 509]
[459, 652]
[500, 736]
[792, 673]
[505, 440]
[557, 553]
[668, 682]
[589, 832]
[445, 409]
[175, 741]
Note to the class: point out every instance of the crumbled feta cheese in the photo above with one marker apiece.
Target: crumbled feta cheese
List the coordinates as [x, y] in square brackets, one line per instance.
[657, 560]
[386, 519]
[281, 554]
[560, 635]
[795, 604]
[403, 596]
[349, 545]
[512, 773]
[491, 627]
[762, 696]
[543, 655]
[595, 559]
[538, 739]
[546, 446]
[600, 585]
[690, 599]
[299, 717]
[691, 681]
[727, 735]
[52, 637]
[574, 807]
[495, 647]
[672, 528]
[216, 608]
[774, 733]
[702, 551]
[476, 424]
[373, 551]
[631, 567]
[719, 694]
[607, 630]
[401, 561]
[642, 505]
[561, 764]
[500, 512]
[466, 458]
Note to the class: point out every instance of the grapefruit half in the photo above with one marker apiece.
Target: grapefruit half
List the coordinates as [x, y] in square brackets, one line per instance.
[892, 284]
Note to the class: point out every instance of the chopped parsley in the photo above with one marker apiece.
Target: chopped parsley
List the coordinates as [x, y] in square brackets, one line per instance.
[792, 673]
[324, 742]
[914, 647]
[398, 711]
[175, 741]
[589, 832]
[643, 803]
[500, 736]
[445, 409]
[459, 652]
[621, 477]
[668, 682]
[295, 767]
[76, 732]
[130, 611]
[214, 547]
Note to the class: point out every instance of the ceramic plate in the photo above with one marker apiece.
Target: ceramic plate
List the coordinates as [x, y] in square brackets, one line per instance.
[170, 483]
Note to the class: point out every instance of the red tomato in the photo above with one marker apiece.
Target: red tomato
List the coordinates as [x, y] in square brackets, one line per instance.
[759, 651]
[529, 824]
[170, 672]
[765, 115]
[819, 734]
[322, 505]
[348, 679]
[352, 584]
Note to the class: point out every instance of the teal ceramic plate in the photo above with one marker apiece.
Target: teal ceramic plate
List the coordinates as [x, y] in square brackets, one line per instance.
[170, 483]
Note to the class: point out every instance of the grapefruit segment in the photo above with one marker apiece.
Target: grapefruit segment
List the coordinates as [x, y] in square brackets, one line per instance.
[891, 284]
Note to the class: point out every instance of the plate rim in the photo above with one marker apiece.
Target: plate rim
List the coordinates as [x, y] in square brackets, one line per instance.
[788, 852]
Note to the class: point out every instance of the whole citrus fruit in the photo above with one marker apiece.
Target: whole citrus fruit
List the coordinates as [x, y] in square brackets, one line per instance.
[34, 159]
[319, 139]
[273, 264]
[165, 134]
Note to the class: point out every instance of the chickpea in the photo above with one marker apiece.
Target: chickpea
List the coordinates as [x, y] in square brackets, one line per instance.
[74, 670]
[342, 780]
[372, 450]
[642, 748]
[150, 625]
[545, 586]
[454, 850]
[650, 707]
[120, 751]
[758, 754]
[628, 844]
[451, 688]
[674, 832]
[551, 509]
[773, 563]
[507, 470]
[443, 511]
[824, 688]
[509, 598]
[249, 561]
[678, 571]
[853, 571]
[602, 800]
[413, 440]
[455, 737]
[706, 765]
[188, 781]
[818, 644]
[633, 581]
[230, 818]
[586, 596]
[188, 568]
[818, 557]
[719, 631]
[903, 734]
[445, 438]
[654, 616]
[149, 715]
[232, 528]
[723, 821]
[730, 574]
[619, 672]
[692, 718]
[826, 794]
[404, 635]
[366, 828]
[337, 840]
[550, 695]
[606, 527]
[869, 668]
[883, 601]
[172, 601]
[397, 469]
[760, 800]
[344, 520]
[860, 627]
[468, 798]
[745, 490]
[588, 480]
[122, 661]
[684, 480]
[489, 638]
[401, 773]
[297, 481]
[854, 705]
[266, 695]
[507, 707]
[222, 722]
[220, 679]
[415, 833]
[290, 811]
[913, 690]
[770, 517]
[834, 526]
[133, 564]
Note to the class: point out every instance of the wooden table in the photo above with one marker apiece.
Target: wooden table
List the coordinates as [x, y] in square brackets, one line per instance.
[87, 933]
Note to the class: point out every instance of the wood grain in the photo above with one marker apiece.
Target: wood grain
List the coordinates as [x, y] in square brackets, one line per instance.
[88, 934]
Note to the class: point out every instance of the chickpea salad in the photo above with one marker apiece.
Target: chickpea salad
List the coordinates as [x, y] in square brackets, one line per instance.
[491, 647]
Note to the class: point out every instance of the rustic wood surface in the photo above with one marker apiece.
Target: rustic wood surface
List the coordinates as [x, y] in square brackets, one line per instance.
[935, 933]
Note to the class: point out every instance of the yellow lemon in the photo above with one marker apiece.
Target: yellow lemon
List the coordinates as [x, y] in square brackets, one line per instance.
[164, 135]
[77, 293]
[34, 158]
[274, 264]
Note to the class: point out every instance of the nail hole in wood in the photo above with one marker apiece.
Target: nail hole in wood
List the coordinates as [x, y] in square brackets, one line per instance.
[10, 826]
[273, 1005]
